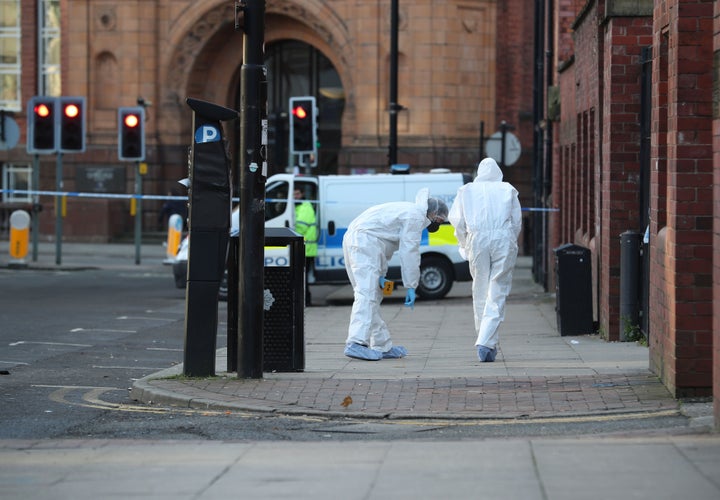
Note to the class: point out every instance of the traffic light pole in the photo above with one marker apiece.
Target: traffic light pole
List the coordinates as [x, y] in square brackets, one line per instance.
[253, 165]
[58, 209]
[138, 212]
[35, 207]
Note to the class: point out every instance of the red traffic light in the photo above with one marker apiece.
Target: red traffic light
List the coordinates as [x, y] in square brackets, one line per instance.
[300, 112]
[131, 120]
[131, 133]
[71, 110]
[42, 110]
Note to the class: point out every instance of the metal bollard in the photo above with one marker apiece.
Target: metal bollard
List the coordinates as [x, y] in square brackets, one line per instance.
[19, 237]
[629, 282]
[175, 226]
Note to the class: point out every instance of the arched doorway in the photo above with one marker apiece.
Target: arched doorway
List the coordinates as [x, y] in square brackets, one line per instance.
[296, 69]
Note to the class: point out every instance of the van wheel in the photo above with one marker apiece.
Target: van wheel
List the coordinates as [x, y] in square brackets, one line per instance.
[436, 278]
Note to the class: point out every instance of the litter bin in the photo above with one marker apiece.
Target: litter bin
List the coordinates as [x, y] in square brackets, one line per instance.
[573, 290]
[284, 320]
[284, 305]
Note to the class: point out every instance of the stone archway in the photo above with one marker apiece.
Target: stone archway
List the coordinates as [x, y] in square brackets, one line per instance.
[207, 52]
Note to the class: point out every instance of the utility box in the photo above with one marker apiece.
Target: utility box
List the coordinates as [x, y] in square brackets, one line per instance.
[573, 290]
[284, 290]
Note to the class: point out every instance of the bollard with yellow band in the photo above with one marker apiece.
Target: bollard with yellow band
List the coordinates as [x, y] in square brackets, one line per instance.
[19, 237]
[175, 226]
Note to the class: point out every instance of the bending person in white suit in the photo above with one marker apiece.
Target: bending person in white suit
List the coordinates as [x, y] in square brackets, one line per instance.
[369, 243]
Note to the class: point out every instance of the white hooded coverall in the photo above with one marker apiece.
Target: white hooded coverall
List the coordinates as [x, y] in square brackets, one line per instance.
[369, 243]
[487, 219]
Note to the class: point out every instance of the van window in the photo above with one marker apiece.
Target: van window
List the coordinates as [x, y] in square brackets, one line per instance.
[309, 190]
[276, 200]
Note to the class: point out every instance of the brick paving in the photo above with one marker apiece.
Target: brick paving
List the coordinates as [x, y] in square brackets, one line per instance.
[463, 397]
[537, 373]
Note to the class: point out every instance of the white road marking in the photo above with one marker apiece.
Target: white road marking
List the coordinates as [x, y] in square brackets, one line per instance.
[126, 367]
[101, 330]
[48, 343]
[146, 318]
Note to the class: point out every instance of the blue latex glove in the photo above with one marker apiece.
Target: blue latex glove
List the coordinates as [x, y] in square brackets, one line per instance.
[381, 281]
[410, 298]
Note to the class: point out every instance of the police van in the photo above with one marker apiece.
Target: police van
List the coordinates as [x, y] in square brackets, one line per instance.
[338, 199]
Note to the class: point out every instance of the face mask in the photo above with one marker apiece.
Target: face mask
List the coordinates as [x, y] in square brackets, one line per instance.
[434, 226]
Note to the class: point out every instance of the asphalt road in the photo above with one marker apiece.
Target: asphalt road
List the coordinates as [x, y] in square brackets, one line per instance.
[69, 336]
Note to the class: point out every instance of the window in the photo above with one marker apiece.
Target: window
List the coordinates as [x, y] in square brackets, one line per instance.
[17, 177]
[49, 54]
[10, 55]
[276, 200]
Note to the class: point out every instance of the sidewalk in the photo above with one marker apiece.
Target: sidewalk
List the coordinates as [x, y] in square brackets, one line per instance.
[537, 373]
[75, 256]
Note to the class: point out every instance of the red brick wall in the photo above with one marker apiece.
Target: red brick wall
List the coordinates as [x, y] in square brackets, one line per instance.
[577, 136]
[28, 51]
[681, 268]
[514, 85]
[597, 184]
[716, 227]
[620, 185]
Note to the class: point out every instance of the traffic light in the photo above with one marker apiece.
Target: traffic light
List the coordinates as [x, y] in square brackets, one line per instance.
[72, 124]
[41, 113]
[303, 123]
[131, 133]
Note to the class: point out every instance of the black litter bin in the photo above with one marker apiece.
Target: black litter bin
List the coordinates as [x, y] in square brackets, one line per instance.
[284, 320]
[573, 290]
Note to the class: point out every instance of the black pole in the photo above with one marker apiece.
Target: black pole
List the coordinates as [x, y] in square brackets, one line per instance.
[547, 172]
[253, 172]
[481, 154]
[630, 264]
[538, 141]
[394, 106]
[503, 138]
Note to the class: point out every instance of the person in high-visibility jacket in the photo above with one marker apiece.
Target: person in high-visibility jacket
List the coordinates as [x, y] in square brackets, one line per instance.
[306, 225]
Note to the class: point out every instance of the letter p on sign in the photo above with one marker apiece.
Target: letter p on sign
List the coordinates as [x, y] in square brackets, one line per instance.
[207, 133]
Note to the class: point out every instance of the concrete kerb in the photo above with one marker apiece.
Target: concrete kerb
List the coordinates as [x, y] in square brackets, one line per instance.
[220, 393]
[144, 391]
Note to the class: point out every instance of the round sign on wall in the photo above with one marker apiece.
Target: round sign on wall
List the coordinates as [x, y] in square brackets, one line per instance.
[493, 148]
[12, 133]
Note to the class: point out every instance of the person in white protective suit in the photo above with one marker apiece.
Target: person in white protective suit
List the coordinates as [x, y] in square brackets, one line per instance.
[487, 219]
[369, 243]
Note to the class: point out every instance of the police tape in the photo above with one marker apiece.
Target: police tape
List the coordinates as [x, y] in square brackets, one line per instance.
[76, 194]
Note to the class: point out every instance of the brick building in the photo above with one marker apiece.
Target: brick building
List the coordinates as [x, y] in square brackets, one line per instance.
[636, 154]
[463, 68]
